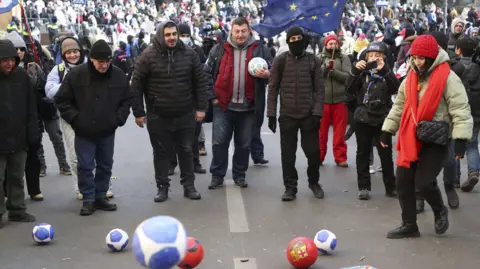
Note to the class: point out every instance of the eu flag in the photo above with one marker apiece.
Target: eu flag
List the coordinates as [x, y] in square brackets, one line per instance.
[319, 16]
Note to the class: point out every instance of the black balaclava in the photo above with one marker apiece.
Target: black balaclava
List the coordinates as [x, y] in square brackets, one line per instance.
[297, 48]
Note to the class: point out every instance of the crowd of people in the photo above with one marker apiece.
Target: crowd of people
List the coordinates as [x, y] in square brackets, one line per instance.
[177, 66]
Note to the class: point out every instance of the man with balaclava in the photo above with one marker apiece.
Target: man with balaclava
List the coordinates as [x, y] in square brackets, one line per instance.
[298, 74]
[169, 76]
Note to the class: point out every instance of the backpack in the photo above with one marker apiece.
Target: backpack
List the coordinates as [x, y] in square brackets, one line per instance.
[471, 82]
[61, 71]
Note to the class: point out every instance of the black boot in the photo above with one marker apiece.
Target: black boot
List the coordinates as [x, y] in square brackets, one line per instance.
[1, 221]
[420, 205]
[215, 184]
[441, 221]
[105, 205]
[191, 193]
[162, 194]
[241, 183]
[317, 190]
[391, 193]
[199, 169]
[87, 209]
[260, 162]
[289, 195]
[21, 216]
[171, 171]
[452, 197]
[406, 230]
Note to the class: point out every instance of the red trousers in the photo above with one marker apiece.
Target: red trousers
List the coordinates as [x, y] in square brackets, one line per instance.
[337, 114]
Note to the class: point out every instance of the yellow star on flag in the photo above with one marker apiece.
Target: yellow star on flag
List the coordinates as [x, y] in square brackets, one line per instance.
[301, 18]
[335, 4]
[293, 7]
[327, 14]
[314, 17]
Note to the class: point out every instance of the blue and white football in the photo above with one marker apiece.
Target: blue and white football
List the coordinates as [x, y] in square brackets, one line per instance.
[117, 240]
[255, 64]
[160, 242]
[325, 241]
[43, 233]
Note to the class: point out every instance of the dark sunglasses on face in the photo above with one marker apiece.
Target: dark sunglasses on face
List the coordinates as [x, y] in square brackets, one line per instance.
[21, 49]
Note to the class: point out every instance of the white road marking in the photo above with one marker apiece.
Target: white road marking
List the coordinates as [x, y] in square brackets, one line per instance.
[236, 209]
[250, 264]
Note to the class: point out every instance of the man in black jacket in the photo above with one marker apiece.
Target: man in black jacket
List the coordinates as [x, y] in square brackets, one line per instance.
[170, 76]
[18, 130]
[95, 100]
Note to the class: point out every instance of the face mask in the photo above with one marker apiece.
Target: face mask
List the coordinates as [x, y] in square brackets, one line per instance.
[186, 40]
[297, 48]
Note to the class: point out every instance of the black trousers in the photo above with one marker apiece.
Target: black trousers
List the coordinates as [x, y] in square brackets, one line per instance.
[364, 134]
[195, 150]
[166, 135]
[288, 142]
[421, 175]
[32, 172]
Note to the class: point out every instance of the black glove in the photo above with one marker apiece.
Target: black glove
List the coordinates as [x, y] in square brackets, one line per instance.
[316, 121]
[272, 124]
[386, 139]
[460, 147]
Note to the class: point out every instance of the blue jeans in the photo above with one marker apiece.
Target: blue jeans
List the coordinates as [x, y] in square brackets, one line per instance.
[94, 154]
[473, 157]
[226, 124]
[256, 146]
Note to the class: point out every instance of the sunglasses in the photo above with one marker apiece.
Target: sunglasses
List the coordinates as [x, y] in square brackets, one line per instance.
[21, 49]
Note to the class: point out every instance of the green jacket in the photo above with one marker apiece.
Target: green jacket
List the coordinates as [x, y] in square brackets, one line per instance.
[453, 107]
[335, 79]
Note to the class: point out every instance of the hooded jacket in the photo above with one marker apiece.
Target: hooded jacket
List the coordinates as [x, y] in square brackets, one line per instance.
[453, 107]
[452, 40]
[54, 80]
[171, 80]
[18, 107]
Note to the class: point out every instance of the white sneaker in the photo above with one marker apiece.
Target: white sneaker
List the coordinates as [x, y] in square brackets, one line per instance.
[372, 169]
[110, 193]
[379, 169]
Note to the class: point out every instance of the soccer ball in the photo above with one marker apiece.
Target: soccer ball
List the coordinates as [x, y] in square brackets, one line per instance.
[43, 233]
[117, 240]
[302, 253]
[160, 242]
[325, 241]
[255, 64]
[194, 254]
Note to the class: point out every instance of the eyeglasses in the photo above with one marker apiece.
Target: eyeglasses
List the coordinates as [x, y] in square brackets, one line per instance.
[21, 49]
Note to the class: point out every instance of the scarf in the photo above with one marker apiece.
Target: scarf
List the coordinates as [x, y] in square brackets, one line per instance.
[414, 112]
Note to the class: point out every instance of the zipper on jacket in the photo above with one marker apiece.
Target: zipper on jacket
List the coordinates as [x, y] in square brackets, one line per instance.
[239, 73]
[296, 85]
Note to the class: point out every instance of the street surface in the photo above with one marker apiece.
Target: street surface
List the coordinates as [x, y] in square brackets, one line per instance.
[233, 224]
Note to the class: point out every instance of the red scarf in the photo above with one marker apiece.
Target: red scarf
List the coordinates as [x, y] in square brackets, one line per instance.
[408, 145]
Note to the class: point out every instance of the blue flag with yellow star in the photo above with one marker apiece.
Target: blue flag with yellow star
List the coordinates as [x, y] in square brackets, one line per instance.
[319, 16]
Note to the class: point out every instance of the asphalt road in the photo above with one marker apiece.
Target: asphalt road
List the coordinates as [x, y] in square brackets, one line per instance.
[231, 223]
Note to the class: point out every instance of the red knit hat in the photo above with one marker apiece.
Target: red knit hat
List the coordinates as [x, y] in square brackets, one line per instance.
[425, 46]
[329, 38]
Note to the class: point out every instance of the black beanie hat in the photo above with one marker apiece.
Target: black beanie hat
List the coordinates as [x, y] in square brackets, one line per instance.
[292, 31]
[441, 38]
[184, 29]
[409, 31]
[101, 51]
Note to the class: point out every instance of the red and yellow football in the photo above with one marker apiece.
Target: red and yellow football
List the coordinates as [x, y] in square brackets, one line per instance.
[194, 254]
[302, 252]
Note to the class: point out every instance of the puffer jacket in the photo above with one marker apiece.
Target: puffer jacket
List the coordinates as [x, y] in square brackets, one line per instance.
[404, 49]
[298, 97]
[336, 78]
[453, 107]
[171, 80]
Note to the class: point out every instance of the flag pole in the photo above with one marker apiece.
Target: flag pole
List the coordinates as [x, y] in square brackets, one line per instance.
[29, 31]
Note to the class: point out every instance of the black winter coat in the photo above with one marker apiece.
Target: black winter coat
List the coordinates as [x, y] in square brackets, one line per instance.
[94, 104]
[370, 100]
[18, 112]
[171, 80]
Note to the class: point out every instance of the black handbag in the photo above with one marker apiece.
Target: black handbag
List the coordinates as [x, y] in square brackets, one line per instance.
[432, 132]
